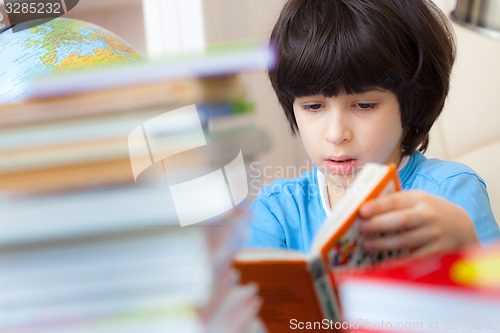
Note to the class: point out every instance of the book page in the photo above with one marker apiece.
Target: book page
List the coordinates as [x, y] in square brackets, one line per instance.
[365, 182]
[342, 247]
[265, 254]
[347, 251]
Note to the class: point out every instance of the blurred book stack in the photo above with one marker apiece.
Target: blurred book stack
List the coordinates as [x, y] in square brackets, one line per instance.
[83, 248]
[450, 292]
[156, 279]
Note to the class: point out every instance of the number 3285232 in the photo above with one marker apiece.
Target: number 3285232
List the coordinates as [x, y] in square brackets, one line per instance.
[34, 8]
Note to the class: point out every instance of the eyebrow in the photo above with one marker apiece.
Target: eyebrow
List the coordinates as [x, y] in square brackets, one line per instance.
[368, 89]
[301, 99]
[363, 91]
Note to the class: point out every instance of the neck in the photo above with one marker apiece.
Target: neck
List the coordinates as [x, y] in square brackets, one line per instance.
[335, 192]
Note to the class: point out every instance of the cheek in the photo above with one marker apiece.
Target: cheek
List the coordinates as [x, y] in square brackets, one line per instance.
[390, 126]
[391, 132]
[308, 130]
[383, 137]
[310, 141]
[395, 132]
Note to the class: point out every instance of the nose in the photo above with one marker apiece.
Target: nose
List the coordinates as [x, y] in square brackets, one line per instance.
[338, 129]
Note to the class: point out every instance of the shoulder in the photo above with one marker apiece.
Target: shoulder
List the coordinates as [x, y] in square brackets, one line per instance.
[298, 186]
[290, 197]
[287, 213]
[435, 172]
[456, 183]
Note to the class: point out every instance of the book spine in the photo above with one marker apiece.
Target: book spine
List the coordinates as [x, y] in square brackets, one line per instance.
[324, 290]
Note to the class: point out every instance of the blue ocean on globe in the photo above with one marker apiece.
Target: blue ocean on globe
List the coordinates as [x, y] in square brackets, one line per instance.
[52, 47]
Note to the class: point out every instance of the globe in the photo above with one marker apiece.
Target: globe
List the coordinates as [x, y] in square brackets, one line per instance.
[55, 46]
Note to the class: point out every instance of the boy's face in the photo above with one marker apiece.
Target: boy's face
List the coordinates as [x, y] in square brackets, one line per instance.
[343, 133]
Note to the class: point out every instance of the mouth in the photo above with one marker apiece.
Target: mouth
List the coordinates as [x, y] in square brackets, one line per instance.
[341, 165]
[341, 159]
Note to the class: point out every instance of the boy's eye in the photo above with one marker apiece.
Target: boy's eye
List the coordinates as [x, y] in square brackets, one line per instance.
[365, 106]
[312, 107]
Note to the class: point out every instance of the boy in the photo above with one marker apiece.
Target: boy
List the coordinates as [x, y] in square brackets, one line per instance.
[363, 81]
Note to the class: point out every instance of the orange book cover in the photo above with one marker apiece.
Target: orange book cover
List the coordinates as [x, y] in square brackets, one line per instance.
[299, 290]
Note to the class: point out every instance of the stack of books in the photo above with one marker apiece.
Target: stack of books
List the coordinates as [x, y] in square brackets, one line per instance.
[155, 278]
[450, 292]
[60, 130]
[83, 248]
[82, 139]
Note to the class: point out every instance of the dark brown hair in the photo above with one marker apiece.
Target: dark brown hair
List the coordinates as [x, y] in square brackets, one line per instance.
[329, 46]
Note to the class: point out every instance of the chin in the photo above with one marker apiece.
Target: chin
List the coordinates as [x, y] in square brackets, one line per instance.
[340, 180]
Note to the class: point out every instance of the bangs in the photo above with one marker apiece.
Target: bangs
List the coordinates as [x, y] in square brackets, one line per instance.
[328, 47]
[341, 51]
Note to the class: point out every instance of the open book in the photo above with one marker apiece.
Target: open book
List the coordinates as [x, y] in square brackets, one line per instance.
[297, 288]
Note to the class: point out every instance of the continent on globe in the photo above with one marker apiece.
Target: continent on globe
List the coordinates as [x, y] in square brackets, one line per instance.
[55, 46]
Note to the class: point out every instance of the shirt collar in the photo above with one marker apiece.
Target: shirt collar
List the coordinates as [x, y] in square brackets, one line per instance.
[405, 171]
[403, 162]
[323, 193]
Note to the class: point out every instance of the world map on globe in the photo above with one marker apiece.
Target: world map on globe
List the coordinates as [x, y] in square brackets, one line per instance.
[52, 47]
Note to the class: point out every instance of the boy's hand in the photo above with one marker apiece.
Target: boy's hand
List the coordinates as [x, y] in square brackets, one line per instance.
[417, 221]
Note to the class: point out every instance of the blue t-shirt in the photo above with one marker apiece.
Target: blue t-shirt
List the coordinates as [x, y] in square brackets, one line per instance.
[289, 212]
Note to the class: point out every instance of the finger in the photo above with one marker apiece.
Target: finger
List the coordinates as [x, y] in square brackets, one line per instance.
[393, 221]
[409, 239]
[435, 245]
[425, 250]
[392, 201]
